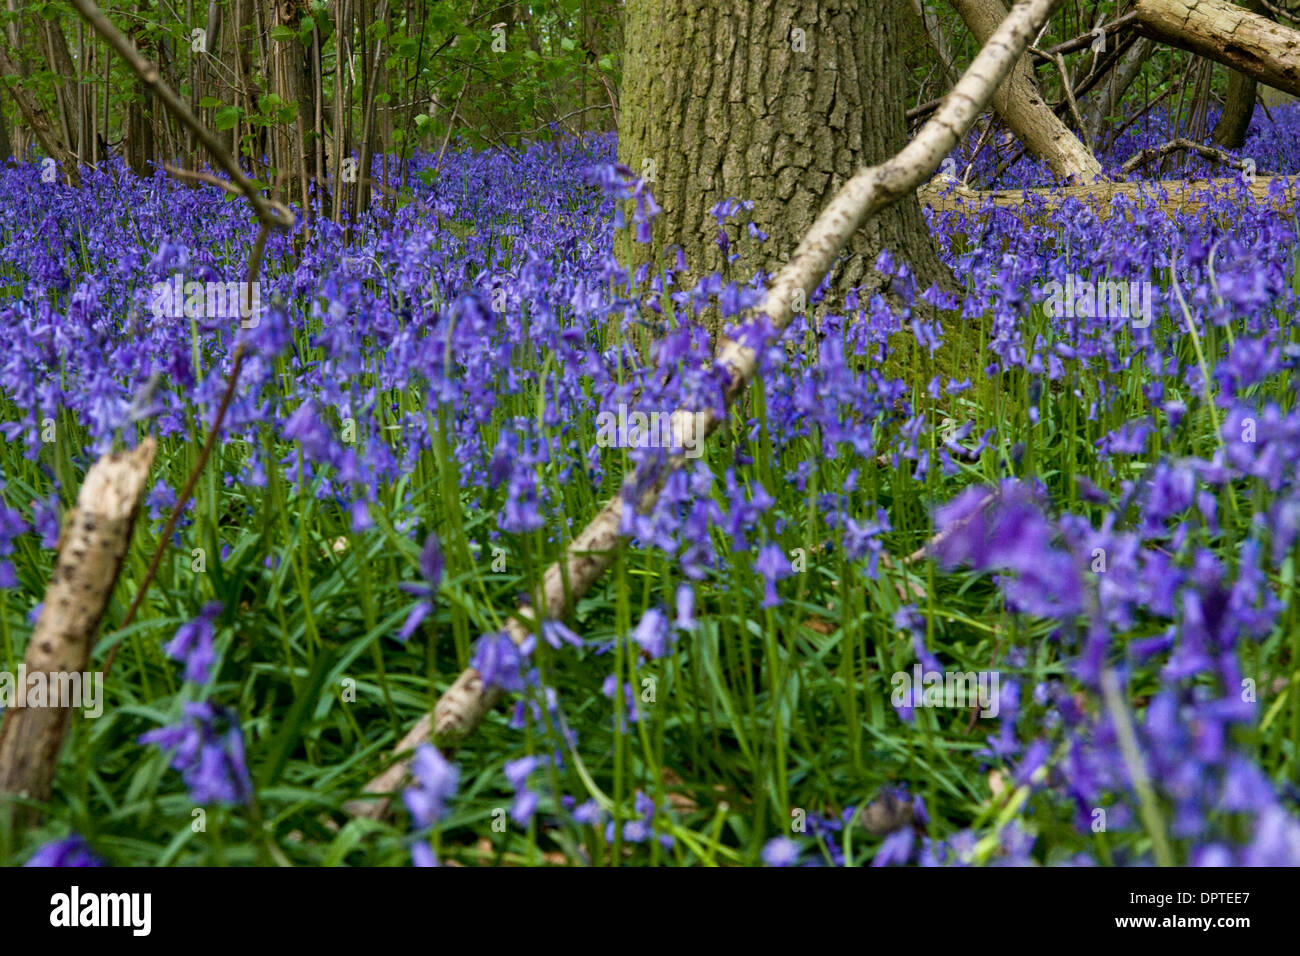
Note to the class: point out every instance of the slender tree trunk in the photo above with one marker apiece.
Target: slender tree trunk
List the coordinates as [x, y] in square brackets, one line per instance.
[6, 146]
[777, 103]
[138, 147]
[1103, 104]
[373, 59]
[21, 137]
[56, 47]
[295, 72]
[1239, 103]
[38, 121]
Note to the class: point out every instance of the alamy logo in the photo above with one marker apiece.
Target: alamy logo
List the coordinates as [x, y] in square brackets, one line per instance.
[947, 689]
[638, 429]
[64, 689]
[134, 910]
[207, 300]
[1080, 298]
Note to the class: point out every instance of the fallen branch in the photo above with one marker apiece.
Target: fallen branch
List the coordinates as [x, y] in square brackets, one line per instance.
[468, 700]
[1228, 34]
[1172, 195]
[1019, 104]
[1179, 145]
[96, 534]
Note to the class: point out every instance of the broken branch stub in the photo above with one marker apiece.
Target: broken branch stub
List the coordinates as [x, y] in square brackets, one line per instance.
[95, 538]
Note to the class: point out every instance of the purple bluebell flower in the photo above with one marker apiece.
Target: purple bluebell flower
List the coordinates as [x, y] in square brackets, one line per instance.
[431, 566]
[499, 662]
[653, 634]
[72, 851]
[434, 783]
[207, 748]
[193, 644]
[781, 851]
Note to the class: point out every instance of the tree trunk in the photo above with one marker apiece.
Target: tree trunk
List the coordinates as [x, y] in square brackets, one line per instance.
[297, 86]
[1104, 103]
[1227, 34]
[778, 103]
[1021, 107]
[138, 129]
[56, 45]
[38, 121]
[1239, 103]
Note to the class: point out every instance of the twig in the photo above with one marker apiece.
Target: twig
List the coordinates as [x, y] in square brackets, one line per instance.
[1067, 87]
[1277, 11]
[270, 214]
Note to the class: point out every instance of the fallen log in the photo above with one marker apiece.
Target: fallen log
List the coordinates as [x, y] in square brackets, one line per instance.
[1172, 195]
[1228, 34]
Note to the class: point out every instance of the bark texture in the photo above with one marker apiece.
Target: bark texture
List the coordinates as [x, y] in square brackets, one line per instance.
[1022, 107]
[1227, 34]
[94, 542]
[778, 103]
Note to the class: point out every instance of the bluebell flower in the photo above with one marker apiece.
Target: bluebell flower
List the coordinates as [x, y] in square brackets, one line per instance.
[72, 851]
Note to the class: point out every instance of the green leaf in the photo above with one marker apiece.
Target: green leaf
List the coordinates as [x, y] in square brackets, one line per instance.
[300, 712]
[227, 118]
